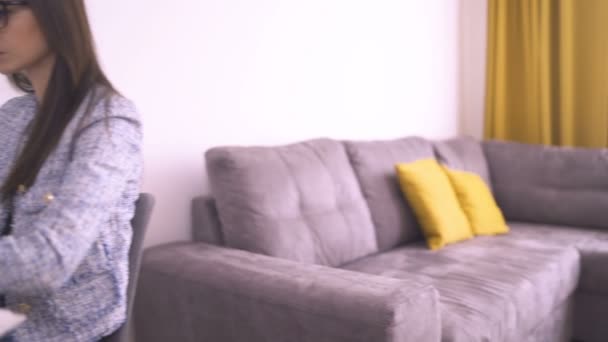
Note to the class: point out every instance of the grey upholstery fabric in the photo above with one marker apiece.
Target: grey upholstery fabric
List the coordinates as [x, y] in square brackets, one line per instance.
[464, 154]
[300, 202]
[206, 226]
[490, 288]
[192, 292]
[591, 299]
[143, 213]
[590, 314]
[555, 235]
[592, 246]
[564, 186]
[374, 163]
[557, 327]
[594, 259]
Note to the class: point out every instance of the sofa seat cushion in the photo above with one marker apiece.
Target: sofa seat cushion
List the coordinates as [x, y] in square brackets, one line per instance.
[490, 288]
[591, 244]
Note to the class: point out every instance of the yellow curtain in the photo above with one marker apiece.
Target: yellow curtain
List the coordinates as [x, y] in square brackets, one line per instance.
[547, 76]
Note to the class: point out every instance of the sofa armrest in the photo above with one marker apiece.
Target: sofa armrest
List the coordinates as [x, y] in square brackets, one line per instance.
[198, 292]
[551, 185]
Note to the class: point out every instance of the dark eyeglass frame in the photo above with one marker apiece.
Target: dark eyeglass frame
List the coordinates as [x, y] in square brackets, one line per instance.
[4, 11]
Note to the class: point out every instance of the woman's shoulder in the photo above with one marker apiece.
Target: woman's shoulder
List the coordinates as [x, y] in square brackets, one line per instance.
[17, 112]
[19, 104]
[106, 104]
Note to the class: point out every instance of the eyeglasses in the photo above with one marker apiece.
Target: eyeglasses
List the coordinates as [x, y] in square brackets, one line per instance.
[6, 11]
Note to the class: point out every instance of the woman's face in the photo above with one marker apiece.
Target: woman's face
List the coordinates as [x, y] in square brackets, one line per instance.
[22, 43]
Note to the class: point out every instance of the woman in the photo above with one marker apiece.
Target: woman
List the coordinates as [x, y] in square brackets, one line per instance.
[70, 165]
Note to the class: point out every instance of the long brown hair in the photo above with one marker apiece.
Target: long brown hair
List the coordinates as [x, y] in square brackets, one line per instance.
[75, 75]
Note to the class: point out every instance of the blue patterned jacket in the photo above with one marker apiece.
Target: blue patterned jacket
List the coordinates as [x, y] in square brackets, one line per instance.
[65, 265]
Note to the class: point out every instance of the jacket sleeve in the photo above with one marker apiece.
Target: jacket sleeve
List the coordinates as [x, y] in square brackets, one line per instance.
[106, 154]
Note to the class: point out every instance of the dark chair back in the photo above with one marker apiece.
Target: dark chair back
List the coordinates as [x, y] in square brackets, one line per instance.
[143, 211]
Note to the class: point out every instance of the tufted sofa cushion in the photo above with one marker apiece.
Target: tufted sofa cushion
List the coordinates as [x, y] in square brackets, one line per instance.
[464, 154]
[300, 202]
[553, 185]
[374, 163]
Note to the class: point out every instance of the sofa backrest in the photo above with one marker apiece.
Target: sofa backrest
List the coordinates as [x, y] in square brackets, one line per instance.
[300, 202]
[553, 185]
[206, 226]
[464, 154]
[374, 163]
[255, 185]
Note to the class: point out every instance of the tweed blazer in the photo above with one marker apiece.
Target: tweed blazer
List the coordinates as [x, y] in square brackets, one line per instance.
[65, 263]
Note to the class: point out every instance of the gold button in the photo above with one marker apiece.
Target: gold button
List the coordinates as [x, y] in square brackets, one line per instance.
[23, 308]
[21, 189]
[48, 198]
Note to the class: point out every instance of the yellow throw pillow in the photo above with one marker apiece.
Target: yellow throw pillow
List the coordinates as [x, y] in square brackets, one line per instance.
[478, 203]
[430, 194]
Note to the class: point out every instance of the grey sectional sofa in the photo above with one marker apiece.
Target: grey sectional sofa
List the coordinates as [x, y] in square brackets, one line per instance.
[314, 242]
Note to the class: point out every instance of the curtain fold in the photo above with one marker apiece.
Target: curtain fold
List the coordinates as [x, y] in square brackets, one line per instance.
[547, 76]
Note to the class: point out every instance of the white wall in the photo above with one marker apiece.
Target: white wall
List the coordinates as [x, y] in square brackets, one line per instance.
[6, 91]
[211, 72]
